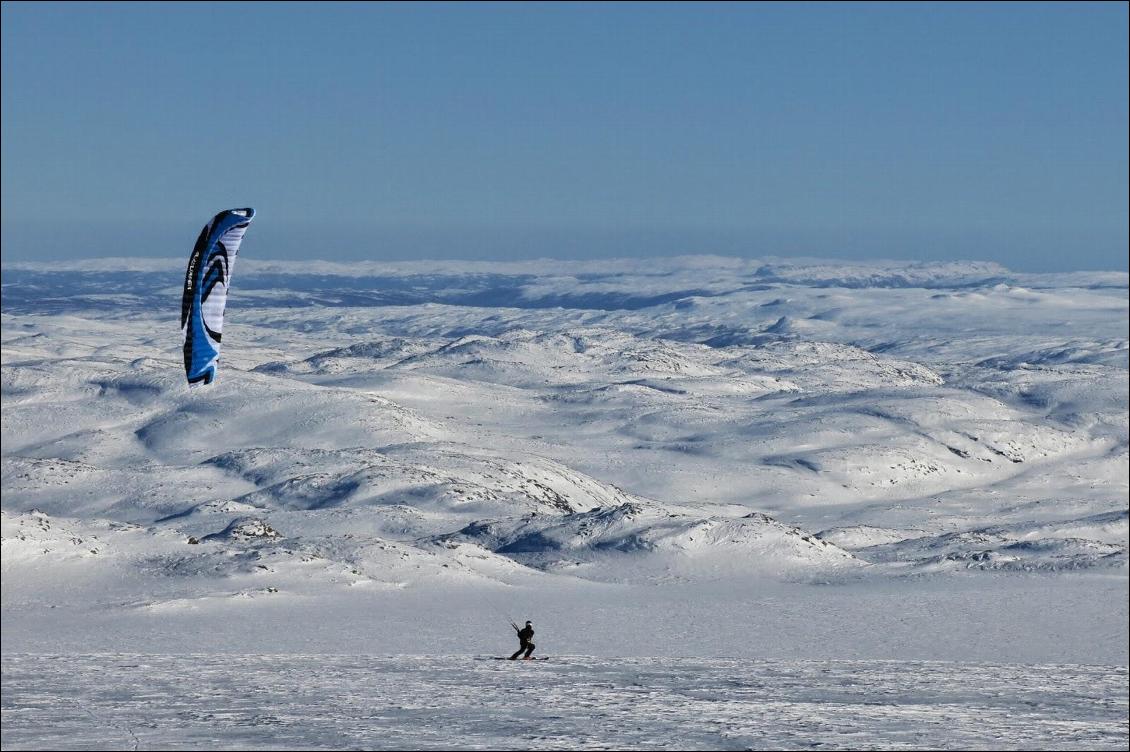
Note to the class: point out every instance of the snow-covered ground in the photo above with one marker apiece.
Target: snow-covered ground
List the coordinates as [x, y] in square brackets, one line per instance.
[345, 702]
[698, 457]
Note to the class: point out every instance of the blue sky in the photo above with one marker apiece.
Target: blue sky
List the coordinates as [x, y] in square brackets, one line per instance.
[390, 131]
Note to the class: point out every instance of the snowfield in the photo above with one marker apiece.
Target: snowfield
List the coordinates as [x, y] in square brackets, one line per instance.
[344, 702]
[753, 501]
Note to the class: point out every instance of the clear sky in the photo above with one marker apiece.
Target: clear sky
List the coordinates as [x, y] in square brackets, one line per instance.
[389, 131]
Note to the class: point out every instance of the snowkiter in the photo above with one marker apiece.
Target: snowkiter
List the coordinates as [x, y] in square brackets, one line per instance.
[525, 634]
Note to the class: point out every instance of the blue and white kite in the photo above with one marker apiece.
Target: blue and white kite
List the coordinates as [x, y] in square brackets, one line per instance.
[206, 292]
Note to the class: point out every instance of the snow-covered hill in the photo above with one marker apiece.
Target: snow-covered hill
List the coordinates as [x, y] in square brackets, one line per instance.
[557, 428]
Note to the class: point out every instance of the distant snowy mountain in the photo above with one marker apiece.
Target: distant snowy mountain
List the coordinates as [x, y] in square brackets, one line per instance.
[551, 426]
[613, 542]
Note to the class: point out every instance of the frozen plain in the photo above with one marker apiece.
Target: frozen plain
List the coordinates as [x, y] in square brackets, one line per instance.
[756, 482]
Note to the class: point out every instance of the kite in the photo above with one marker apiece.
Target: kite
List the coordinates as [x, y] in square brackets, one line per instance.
[206, 285]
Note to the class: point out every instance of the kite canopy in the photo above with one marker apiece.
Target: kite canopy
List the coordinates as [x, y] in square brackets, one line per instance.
[206, 292]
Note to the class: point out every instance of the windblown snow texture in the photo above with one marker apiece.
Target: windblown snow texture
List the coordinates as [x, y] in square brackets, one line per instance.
[459, 702]
[206, 284]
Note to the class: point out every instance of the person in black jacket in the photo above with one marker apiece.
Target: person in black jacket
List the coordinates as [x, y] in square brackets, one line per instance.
[524, 636]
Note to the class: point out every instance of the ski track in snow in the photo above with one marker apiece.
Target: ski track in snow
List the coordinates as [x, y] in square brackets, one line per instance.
[350, 702]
